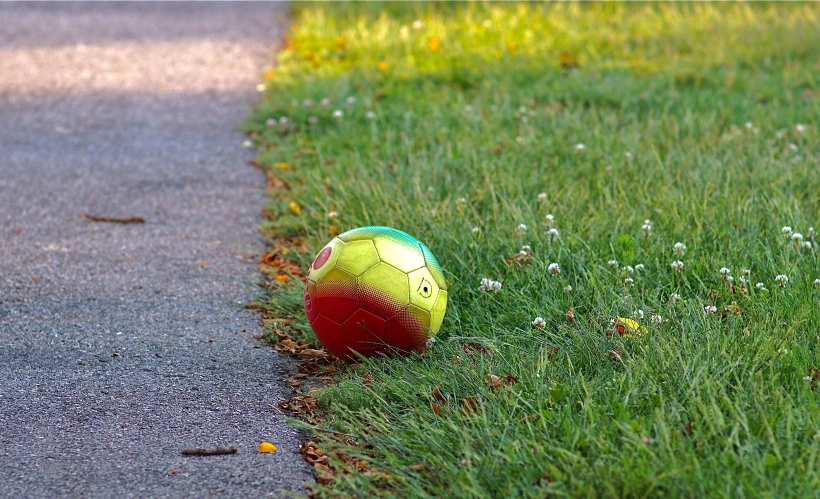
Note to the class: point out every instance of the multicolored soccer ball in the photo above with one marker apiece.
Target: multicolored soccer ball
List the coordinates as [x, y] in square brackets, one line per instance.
[375, 290]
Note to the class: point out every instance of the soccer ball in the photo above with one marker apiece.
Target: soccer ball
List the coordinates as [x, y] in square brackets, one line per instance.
[374, 290]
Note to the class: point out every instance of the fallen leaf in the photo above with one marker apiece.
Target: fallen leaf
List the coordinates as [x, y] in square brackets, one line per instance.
[436, 409]
[687, 429]
[132, 220]
[437, 394]
[267, 447]
[310, 353]
[473, 348]
[470, 405]
[571, 315]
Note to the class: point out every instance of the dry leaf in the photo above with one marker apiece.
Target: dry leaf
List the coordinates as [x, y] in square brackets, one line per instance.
[437, 394]
[310, 353]
[470, 405]
[436, 409]
[571, 315]
[473, 348]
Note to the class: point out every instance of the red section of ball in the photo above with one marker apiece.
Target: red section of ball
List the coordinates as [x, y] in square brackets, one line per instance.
[365, 330]
[406, 332]
[332, 336]
[336, 300]
[311, 309]
[322, 258]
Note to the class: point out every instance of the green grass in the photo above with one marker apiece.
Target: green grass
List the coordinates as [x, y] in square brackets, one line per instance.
[672, 85]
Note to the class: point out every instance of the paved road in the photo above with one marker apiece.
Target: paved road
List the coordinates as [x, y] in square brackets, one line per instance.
[122, 344]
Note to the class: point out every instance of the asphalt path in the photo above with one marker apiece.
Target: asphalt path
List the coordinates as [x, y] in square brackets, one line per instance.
[120, 345]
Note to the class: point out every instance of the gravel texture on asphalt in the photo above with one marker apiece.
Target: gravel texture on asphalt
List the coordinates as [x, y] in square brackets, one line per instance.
[120, 345]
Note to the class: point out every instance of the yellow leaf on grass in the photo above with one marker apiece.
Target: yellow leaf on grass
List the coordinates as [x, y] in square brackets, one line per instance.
[294, 207]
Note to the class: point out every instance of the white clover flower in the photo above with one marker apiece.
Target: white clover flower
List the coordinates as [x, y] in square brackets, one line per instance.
[807, 245]
[730, 279]
[370, 115]
[522, 228]
[793, 147]
[724, 272]
[710, 309]
[580, 147]
[542, 196]
[677, 265]
[797, 237]
[461, 203]
[488, 285]
[808, 378]
[817, 283]
[307, 103]
[351, 100]
[567, 289]
[325, 102]
[418, 24]
[613, 264]
[646, 228]
[476, 230]
[679, 249]
[628, 281]
[554, 269]
[526, 249]
[270, 122]
[780, 133]
[628, 156]
[608, 170]
[784, 351]
[338, 114]
[332, 214]
[760, 286]
[674, 297]
[781, 280]
[648, 440]
[639, 267]
[746, 272]
[520, 139]
[786, 230]
[656, 319]
[468, 108]
[284, 120]
[552, 234]
[429, 342]
[810, 232]
[799, 128]
[539, 323]
[313, 120]
[638, 314]
[550, 220]
[261, 87]
[629, 269]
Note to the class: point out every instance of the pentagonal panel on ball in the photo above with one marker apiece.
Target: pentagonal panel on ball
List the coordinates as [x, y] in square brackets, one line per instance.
[365, 329]
[336, 296]
[408, 330]
[357, 256]
[325, 260]
[437, 315]
[400, 253]
[434, 267]
[332, 335]
[423, 289]
[384, 290]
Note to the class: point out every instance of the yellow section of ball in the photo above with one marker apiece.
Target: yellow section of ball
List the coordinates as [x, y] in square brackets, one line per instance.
[357, 256]
[423, 289]
[387, 281]
[437, 314]
[406, 257]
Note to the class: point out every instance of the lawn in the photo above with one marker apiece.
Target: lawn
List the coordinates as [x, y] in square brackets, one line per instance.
[652, 162]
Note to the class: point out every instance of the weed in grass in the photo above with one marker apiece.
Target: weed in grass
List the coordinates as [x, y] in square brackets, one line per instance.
[606, 187]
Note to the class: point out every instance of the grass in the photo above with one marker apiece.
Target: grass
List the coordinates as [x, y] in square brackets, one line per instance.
[701, 118]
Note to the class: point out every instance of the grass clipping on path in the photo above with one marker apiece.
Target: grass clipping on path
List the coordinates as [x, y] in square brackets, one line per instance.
[563, 151]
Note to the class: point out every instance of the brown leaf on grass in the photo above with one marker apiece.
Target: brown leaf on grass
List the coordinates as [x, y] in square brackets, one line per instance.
[436, 409]
[568, 61]
[333, 230]
[520, 259]
[311, 353]
[687, 429]
[497, 382]
[615, 356]
[474, 348]
[498, 147]
[273, 263]
[553, 351]
[419, 467]
[730, 310]
[571, 315]
[437, 394]
[313, 454]
[132, 220]
[302, 405]
[814, 374]
[470, 405]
